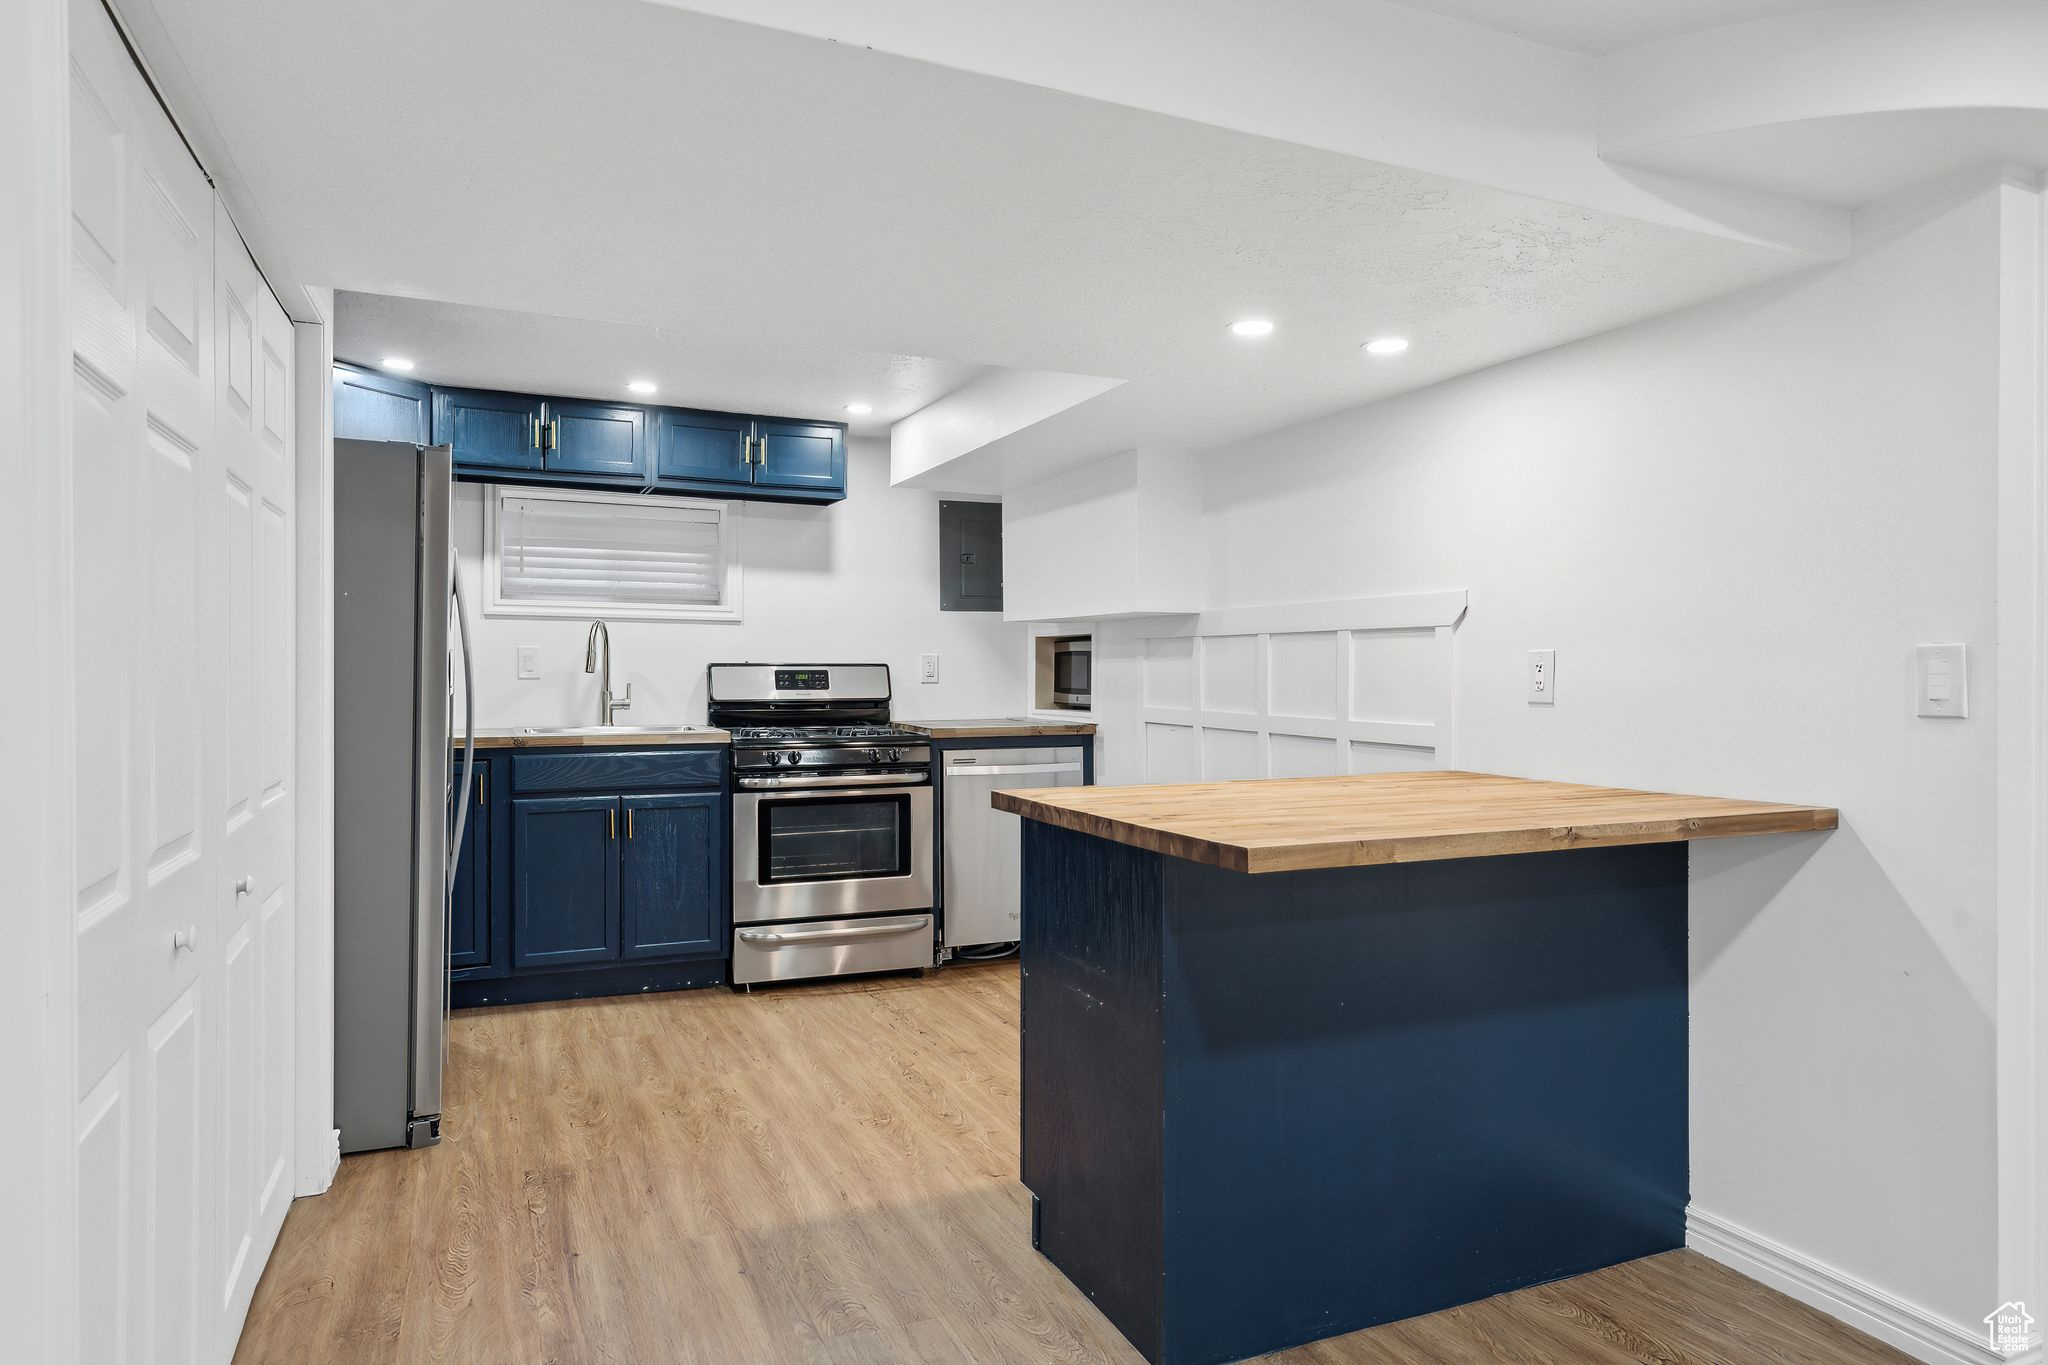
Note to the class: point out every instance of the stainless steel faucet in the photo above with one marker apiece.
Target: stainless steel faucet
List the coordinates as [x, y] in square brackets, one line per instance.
[607, 709]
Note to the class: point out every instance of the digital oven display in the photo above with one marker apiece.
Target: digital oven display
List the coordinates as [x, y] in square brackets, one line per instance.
[802, 679]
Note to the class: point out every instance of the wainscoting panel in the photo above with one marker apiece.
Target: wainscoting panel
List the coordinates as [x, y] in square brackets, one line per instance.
[1299, 690]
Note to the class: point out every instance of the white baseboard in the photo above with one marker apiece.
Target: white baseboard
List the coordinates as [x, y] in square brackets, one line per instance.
[1912, 1329]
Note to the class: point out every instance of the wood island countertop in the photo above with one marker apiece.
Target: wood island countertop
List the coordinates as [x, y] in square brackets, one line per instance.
[1291, 824]
[994, 729]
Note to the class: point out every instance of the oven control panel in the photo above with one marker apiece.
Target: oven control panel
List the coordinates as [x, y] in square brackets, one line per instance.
[803, 679]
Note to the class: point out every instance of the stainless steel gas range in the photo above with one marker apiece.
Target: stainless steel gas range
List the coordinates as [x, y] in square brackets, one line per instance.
[832, 869]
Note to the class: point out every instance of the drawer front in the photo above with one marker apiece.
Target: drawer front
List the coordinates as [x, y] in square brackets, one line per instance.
[619, 770]
[833, 947]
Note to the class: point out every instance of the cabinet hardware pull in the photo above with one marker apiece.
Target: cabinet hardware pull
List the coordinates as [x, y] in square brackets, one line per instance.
[746, 450]
[536, 432]
[555, 434]
[762, 454]
[612, 821]
[629, 822]
[480, 786]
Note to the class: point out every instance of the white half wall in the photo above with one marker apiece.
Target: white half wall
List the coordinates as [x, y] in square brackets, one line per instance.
[1733, 524]
[856, 582]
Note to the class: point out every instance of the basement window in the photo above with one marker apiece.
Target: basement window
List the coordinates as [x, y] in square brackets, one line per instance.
[559, 552]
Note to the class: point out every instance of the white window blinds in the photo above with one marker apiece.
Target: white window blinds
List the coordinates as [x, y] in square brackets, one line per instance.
[662, 555]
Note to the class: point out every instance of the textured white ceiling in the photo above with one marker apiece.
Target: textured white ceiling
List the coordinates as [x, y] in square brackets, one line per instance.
[794, 200]
[497, 348]
[1602, 26]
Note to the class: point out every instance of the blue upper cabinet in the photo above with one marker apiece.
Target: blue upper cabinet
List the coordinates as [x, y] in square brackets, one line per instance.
[596, 438]
[514, 438]
[488, 430]
[703, 447]
[800, 457]
[370, 406]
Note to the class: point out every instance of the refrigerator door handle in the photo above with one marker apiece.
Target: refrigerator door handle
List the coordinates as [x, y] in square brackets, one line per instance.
[468, 722]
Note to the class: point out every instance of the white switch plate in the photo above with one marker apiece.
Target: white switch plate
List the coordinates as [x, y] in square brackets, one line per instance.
[928, 668]
[529, 661]
[1941, 679]
[1542, 677]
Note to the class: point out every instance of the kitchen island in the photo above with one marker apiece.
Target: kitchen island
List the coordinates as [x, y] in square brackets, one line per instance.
[1302, 1056]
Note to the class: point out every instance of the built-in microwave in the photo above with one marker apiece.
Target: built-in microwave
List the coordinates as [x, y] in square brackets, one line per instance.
[1070, 673]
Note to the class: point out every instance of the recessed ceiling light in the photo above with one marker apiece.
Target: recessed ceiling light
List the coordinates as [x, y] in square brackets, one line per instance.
[1252, 327]
[1387, 345]
[397, 362]
[640, 385]
[858, 408]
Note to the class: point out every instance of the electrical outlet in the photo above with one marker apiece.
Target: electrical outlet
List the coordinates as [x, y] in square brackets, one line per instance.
[1542, 677]
[928, 668]
[529, 661]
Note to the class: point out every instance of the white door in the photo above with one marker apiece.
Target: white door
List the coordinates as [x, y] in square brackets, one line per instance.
[250, 583]
[175, 991]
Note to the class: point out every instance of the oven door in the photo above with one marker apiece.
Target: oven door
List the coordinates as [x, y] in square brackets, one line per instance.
[831, 851]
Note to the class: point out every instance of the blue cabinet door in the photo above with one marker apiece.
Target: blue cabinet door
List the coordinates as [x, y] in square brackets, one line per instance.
[469, 909]
[800, 456]
[702, 447]
[565, 880]
[673, 881]
[369, 406]
[596, 438]
[488, 430]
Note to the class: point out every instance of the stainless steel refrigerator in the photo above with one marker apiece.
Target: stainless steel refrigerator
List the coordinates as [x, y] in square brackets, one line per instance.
[396, 593]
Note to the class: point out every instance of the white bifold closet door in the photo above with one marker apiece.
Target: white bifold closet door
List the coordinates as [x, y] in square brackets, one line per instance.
[182, 531]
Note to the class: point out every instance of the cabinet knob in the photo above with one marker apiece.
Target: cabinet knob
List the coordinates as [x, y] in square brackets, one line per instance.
[246, 885]
[185, 940]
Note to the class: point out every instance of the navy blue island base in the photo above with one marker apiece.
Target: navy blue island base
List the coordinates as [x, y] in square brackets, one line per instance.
[1259, 1110]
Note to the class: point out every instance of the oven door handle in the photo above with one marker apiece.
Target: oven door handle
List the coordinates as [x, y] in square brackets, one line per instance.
[775, 936]
[842, 780]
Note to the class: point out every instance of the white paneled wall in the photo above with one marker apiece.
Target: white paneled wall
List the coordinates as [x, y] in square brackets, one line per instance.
[1299, 690]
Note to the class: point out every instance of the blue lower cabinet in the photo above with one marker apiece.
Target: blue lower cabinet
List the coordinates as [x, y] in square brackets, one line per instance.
[469, 910]
[565, 880]
[672, 876]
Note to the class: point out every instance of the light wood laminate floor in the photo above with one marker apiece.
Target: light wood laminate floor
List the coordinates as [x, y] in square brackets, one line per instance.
[824, 1173]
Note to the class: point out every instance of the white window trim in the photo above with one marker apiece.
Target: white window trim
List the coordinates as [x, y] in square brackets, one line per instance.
[495, 603]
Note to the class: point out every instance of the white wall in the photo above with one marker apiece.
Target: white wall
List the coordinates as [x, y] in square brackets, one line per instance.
[856, 582]
[1733, 524]
[38, 1202]
[1120, 536]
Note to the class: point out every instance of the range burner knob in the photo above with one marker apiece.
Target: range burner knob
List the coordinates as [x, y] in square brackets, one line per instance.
[888, 755]
[792, 757]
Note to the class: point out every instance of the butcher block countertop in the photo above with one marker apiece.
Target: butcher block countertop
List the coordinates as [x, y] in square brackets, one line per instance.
[592, 738]
[994, 729]
[1290, 824]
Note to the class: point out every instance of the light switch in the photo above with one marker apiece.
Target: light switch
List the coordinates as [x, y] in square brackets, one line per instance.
[1542, 677]
[1943, 676]
[529, 661]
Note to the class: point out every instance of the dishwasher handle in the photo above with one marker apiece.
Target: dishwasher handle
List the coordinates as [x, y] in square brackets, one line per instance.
[965, 766]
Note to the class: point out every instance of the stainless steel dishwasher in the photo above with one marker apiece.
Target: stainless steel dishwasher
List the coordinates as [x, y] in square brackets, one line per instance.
[982, 892]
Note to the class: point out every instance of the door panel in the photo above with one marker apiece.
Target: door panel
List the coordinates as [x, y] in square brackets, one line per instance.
[148, 638]
[800, 455]
[565, 884]
[673, 876]
[250, 575]
[469, 915]
[597, 438]
[488, 430]
[703, 447]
